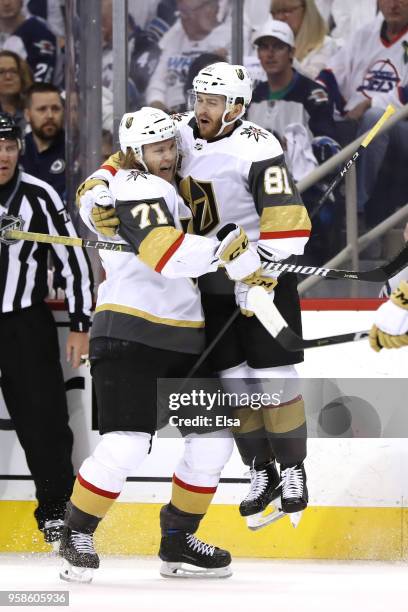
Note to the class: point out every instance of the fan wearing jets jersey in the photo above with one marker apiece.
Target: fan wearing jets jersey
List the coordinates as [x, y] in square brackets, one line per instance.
[232, 170]
[148, 325]
[32, 380]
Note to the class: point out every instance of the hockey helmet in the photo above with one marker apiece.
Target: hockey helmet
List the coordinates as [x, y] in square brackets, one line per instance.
[9, 129]
[145, 126]
[229, 80]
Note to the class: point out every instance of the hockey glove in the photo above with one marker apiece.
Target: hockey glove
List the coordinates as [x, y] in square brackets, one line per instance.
[97, 211]
[235, 252]
[85, 187]
[390, 329]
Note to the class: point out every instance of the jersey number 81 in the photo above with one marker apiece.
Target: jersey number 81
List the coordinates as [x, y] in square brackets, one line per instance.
[276, 181]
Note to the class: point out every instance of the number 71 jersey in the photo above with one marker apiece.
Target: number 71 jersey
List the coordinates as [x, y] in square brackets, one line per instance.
[241, 178]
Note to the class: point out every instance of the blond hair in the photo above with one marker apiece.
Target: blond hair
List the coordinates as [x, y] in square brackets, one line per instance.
[311, 33]
[130, 161]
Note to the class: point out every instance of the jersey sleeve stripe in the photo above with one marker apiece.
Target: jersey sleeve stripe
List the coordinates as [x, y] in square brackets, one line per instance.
[285, 234]
[169, 253]
[110, 169]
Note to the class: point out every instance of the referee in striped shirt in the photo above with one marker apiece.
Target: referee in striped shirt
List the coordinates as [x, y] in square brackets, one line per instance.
[31, 376]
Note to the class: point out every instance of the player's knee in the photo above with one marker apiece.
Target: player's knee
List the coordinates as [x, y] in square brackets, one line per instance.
[122, 450]
[208, 453]
[288, 371]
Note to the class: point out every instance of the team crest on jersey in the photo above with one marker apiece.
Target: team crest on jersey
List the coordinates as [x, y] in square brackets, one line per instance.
[405, 47]
[318, 95]
[381, 77]
[57, 166]
[256, 132]
[134, 175]
[9, 222]
[45, 47]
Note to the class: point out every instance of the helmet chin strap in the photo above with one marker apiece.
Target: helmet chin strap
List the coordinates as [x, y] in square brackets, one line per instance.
[228, 108]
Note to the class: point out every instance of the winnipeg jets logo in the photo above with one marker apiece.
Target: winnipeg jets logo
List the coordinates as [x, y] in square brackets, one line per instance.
[134, 175]
[45, 47]
[256, 132]
[8, 222]
[381, 77]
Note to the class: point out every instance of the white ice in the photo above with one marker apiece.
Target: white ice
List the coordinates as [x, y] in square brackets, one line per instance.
[130, 583]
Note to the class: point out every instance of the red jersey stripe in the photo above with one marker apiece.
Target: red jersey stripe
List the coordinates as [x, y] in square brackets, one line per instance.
[193, 488]
[288, 234]
[169, 253]
[91, 487]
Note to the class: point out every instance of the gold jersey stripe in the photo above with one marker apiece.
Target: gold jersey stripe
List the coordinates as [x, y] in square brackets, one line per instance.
[156, 244]
[135, 312]
[250, 420]
[285, 418]
[190, 501]
[90, 502]
[285, 218]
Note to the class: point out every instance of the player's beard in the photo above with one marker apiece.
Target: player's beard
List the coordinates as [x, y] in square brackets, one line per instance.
[209, 130]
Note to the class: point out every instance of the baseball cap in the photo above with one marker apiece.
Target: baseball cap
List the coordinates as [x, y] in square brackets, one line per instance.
[277, 29]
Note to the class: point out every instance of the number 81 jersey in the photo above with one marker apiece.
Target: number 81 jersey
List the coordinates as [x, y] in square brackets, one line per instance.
[241, 178]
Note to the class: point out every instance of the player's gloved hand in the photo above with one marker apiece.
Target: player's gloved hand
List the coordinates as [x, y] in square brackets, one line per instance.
[97, 211]
[86, 186]
[235, 252]
[242, 288]
[390, 329]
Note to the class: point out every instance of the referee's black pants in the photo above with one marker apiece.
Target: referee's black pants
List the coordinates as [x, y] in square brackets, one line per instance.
[33, 388]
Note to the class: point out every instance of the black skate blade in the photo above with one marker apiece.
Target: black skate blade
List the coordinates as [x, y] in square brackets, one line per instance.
[72, 573]
[170, 569]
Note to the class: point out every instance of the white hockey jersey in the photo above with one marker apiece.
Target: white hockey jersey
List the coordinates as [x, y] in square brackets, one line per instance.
[241, 178]
[369, 66]
[148, 298]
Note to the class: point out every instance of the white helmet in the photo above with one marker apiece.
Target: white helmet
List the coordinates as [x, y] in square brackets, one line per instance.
[145, 126]
[229, 80]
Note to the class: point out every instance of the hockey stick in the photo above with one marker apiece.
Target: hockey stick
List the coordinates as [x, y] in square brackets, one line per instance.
[267, 313]
[66, 240]
[376, 275]
[390, 110]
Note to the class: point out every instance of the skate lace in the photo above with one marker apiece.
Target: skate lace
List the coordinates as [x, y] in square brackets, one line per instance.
[292, 482]
[259, 481]
[83, 542]
[199, 546]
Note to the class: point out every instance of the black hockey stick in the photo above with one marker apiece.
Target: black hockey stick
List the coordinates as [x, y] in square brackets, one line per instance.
[270, 317]
[66, 240]
[390, 110]
[376, 275]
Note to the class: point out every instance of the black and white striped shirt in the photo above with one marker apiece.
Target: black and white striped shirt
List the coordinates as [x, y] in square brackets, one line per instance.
[23, 265]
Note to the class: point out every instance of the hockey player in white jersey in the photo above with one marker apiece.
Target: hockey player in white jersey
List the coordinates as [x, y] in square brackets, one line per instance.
[149, 324]
[233, 170]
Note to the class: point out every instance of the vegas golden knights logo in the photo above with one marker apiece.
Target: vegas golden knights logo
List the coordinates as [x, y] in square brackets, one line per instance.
[240, 74]
[129, 122]
[200, 198]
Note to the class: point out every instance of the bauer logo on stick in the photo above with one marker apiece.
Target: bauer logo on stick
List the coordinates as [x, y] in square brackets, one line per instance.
[8, 222]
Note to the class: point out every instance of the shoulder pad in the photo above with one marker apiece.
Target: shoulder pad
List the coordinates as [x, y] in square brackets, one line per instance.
[259, 142]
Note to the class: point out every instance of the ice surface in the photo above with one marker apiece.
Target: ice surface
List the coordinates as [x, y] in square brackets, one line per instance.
[130, 583]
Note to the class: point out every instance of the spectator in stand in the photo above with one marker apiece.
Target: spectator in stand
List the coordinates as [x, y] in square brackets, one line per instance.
[346, 16]
[15, 79]
[44, 154]
[366, 75]
[298, 111]
[313, 47]
[204, 26]
[50, 11]
[107, 59]
[289, 97]
[30, 38]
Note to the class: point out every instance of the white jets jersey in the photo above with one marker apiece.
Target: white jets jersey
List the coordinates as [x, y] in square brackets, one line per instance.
[369, 66]
[242, 178]
[147, 298]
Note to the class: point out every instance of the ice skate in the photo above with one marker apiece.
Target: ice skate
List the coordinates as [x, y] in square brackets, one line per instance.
[80, 558]
[52, 531]
[294, 496]
[262, 504]
[185, 556]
